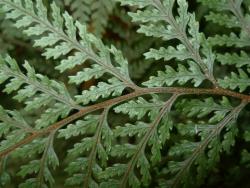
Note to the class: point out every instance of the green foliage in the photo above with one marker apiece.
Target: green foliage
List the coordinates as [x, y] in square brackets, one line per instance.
[91, 11]
[36, 91]
[240, 60]
[240, 81]
[154, 103]
[200, 109]
[182, 76]
[232, 17]
[140, 107]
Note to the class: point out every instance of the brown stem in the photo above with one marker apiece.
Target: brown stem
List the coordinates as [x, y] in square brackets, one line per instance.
[20, 143]
[111, 102]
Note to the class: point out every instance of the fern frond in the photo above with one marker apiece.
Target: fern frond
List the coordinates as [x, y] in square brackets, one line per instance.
[131, 130]
[37, 91]
[84, 173]
[179, 53]
[59, 37]
[175, 29]
[236, 18]
[230, 14]
[113, 122]
[138, 157]
[200, 109]
[81, 127]
[182, 76]
[34, 85]
[41, 167]
[12, 119]
[140, 107]
[114, 87]
[199, 156]
[223, 20]
[239, 60]
[240, 81]
[13, 127]
[229, 40]
[233, 7]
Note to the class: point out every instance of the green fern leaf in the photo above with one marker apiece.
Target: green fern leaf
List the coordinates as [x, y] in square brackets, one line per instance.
[182, 75]
[240, 81]
[239, 60]
[197, 108]
[114, 87]
[139, 108]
